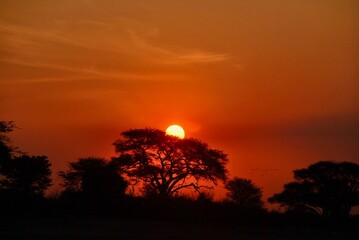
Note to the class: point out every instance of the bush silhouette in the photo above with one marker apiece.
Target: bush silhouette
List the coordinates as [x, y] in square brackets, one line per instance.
[93, 183]
[6, 150]
[26, 174]
[244, 193]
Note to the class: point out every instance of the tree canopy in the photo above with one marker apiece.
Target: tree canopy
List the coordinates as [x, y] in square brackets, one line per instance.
[94, 177]
[326, 188]
[244, 193]
[165, 164]
[26, 174]
[21, 173]
[6, 150]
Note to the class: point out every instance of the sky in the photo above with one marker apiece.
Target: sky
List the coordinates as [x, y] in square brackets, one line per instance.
[272, 83]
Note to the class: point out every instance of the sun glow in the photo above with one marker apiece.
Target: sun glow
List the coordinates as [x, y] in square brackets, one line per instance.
[175, 130]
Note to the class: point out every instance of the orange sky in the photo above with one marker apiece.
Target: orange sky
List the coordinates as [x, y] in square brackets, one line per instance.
[275, 84]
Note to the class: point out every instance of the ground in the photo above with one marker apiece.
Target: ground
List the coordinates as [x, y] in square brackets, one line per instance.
[108, 229]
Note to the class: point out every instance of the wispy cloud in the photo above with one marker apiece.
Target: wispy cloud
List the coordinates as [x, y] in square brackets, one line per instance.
[95, 48]
[197, 57]
[93, 73]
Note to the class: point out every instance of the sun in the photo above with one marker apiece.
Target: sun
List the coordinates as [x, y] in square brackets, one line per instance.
[175, 130]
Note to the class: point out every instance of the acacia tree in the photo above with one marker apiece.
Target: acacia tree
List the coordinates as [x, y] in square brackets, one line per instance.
[165, 164]
[244, 193]
[325, 188]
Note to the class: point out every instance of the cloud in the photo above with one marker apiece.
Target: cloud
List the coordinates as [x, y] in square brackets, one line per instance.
[196, 57]
[90, 73]
[95, 48]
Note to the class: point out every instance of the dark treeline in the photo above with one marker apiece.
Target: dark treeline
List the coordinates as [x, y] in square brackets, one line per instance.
[146, 179]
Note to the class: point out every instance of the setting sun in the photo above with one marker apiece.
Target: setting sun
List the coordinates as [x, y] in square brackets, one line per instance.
[175, 130]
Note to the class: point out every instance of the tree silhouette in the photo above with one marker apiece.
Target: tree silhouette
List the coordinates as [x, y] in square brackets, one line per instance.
[325, 188]
[166, 164]
[21, 174]
[26, 174]
[6, 150]
[94, 177]
[244, 193]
